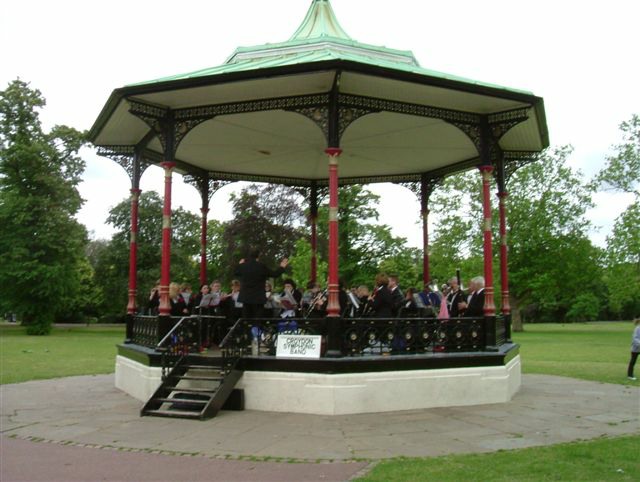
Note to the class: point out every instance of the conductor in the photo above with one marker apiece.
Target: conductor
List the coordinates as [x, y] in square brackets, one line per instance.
[252, 275]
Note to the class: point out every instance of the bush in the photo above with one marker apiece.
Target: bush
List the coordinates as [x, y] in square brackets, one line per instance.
[586, 307]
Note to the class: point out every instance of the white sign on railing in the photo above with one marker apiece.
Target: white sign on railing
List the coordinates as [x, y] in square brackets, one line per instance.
[298, 346]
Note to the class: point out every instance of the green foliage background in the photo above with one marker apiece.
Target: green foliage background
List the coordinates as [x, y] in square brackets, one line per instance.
[50, 271]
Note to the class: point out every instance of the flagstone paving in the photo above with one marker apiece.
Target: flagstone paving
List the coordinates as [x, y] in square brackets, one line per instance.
[83, 428]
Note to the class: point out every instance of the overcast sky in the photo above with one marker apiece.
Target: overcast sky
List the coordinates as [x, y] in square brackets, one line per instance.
[580, 56]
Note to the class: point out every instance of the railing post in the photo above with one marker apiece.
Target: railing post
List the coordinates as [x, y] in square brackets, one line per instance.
[128, 337]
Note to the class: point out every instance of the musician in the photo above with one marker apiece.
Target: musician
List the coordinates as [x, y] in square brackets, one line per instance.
[231, 307]
[381, 301]
[290, 299]
[474, 307]
[456, 299]
[202, 300]
[430, 299]
[253, 275]
[396, 294]
[354, 308]
[187, 295]
[216, 298]
[313, 300]
[323, 302]
[271, 307]
[154, 299]
[178, 305]
[409, 306]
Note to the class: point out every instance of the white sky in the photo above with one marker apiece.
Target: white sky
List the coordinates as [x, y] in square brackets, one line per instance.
[580, 56]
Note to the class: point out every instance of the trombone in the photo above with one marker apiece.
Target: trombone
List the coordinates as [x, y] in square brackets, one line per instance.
[314, 301]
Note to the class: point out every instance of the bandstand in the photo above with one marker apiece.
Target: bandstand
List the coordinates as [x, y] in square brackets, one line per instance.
[320, 110]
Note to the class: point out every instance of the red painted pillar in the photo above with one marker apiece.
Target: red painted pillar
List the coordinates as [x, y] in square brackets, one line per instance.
[314, 249]
[313, 219]
[203, 247]
[333, 305]
[504, 272]
[489, 306]
[133, 252]
[424, 211]
[165, 272]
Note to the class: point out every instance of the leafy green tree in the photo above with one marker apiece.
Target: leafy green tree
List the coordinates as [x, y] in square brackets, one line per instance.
[41, 244]
[300, 264]
[551, 260]
[112, 265]
[268, 217]
[456, 241]
[406, 264]
[362, 244]
[622, 173]
[622, 170]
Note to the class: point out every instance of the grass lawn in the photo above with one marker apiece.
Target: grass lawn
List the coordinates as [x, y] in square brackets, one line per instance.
[78, 350]
[590, 351]
[601, 459]
[597, 351]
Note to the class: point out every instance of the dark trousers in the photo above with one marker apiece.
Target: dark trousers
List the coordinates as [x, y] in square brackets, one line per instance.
[251, 311]
[632, 362]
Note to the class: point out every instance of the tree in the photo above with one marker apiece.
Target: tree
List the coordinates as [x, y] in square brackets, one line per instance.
[41, 244]
[551, 260]
[300, 264]
[456, 241]
[112, 264]
[622, 173]
[268, 217]
[362, 244]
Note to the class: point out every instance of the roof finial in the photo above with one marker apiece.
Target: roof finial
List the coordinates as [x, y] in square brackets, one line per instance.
[320, 21]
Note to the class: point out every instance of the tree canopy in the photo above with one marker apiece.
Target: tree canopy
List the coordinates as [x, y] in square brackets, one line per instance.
[42, 244]
[622, 173]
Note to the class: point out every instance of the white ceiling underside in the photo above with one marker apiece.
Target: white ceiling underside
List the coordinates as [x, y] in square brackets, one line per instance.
[287, 144]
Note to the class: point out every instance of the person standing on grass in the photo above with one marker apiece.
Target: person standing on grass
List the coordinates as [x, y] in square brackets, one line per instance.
[635, 349]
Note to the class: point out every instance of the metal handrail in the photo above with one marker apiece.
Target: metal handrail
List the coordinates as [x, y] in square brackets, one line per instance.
[172, 330]
[229, 333]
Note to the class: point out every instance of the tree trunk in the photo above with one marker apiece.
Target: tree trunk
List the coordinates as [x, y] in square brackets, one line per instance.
[517, 324]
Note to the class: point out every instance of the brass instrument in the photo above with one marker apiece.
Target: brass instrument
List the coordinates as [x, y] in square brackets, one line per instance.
[368, 307]
[314, 301]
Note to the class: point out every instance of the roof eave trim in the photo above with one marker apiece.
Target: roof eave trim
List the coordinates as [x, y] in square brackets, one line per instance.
[346, 65]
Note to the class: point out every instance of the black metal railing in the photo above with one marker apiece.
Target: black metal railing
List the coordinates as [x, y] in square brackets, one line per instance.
[361, 336]
[259, 336]
[354, 336]
[411, 336]
[202, 330]
[501, 330]
[145, 330]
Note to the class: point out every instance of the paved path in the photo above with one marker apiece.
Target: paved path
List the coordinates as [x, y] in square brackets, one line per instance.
[54, 430]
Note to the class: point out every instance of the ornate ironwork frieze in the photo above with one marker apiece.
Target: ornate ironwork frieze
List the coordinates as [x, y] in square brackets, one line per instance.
[205, 185]
[125, 156]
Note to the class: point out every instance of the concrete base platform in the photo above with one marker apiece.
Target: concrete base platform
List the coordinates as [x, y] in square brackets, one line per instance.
[137, 379]
[351, 393]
